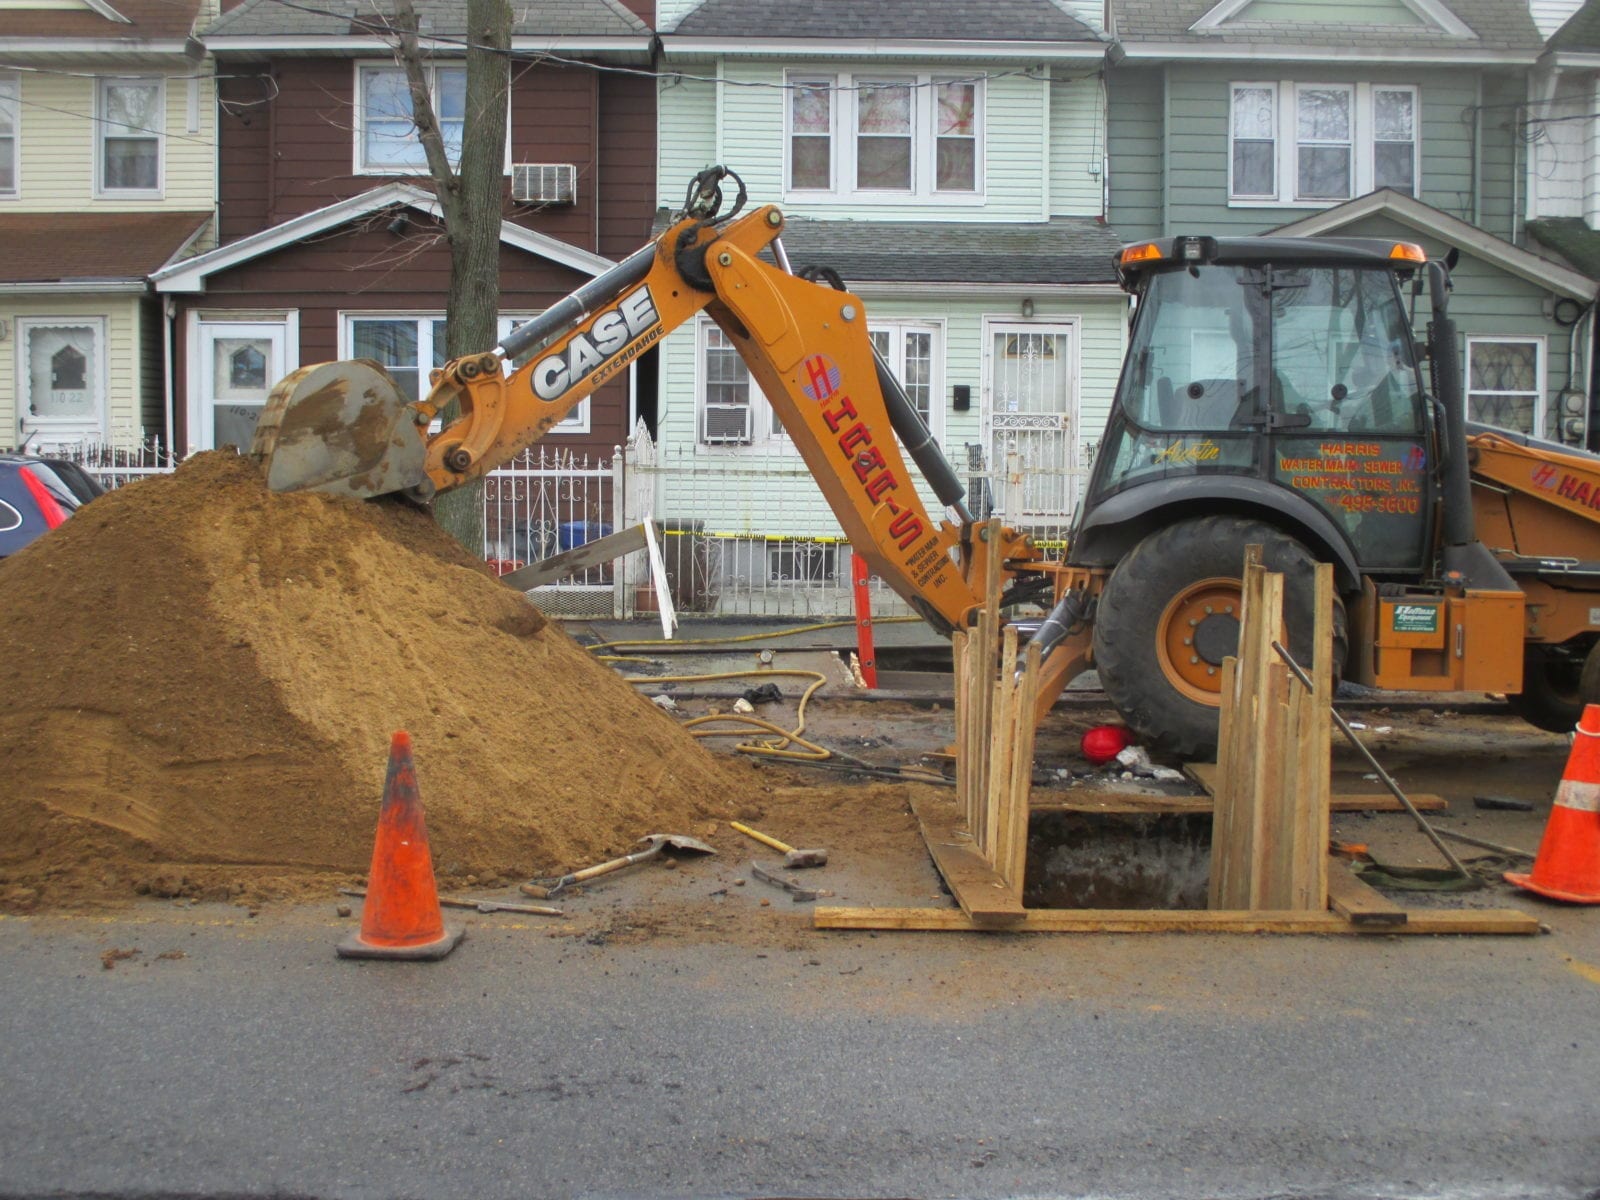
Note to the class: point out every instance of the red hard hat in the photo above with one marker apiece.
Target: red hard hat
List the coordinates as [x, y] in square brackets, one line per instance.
[1104, 742]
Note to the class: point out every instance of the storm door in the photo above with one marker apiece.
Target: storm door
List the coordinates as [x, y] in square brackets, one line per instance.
[61, 381]
[239, 363]
[1031, 417]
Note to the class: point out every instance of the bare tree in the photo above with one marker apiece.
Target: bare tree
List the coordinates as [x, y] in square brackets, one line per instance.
[470, 198]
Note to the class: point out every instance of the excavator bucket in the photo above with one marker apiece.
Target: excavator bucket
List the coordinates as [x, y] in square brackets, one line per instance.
[342, 427]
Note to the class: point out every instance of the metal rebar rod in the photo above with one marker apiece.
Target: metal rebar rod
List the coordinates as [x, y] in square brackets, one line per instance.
[1388, 780]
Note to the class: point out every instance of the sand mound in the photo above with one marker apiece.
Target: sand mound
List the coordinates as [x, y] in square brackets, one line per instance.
[202, 677]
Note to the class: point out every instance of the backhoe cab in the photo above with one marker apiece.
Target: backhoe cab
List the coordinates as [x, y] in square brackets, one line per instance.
[1271, 395]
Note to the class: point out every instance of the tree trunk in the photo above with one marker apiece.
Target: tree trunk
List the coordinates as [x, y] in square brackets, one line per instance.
[470, 199]
[473, 307]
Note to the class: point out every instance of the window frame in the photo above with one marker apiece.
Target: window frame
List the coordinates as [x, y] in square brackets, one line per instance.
[1286, 141]
[898, 329]
[844, 123]
[102, 124]
[763, 431]
[358, 150]
[11, 102]
[1541, 368]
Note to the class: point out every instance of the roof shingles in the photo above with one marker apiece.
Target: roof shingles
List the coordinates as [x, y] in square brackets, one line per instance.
[1061, 250]
[79, 247]
[939, 20]
[442, 18]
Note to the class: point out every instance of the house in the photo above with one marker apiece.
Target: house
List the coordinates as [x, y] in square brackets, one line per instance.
[1395, 118]
[947, 160]
[107, 144]
[1562, 179]
[331, 244]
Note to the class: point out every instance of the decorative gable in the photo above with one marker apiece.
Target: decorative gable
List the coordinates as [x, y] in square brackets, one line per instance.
[1412, 16]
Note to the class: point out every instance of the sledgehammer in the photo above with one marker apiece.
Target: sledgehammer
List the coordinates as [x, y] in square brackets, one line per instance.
[792, 858]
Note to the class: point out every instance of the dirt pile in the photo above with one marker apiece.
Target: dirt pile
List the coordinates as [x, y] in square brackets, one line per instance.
[202, 676]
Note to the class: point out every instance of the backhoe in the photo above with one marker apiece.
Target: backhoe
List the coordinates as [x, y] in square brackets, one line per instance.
[1271, 395]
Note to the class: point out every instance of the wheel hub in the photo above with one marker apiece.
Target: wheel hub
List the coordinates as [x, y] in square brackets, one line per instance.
[1198, 629]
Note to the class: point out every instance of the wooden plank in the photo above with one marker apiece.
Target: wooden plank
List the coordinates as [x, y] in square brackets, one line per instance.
[1204, 775]
[998, 785]
[1357, 902]
[580, 558]
[1089, 920]
[1015, 863]
[978, 889]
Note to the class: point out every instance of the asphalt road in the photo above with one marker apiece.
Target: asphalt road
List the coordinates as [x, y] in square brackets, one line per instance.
[817, 1064]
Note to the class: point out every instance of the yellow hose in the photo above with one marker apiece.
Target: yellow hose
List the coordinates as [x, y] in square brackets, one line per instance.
[746, 637]
[772, 747]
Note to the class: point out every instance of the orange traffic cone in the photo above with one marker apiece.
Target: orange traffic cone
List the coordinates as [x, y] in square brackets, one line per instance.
[401, 917]
[1568, 863]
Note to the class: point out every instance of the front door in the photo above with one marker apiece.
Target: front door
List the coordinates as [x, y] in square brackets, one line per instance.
[1031, 384]
[61, 381]
[239, 363]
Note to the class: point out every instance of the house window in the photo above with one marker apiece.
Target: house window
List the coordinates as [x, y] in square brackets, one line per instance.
[884, 112]
[408, 347]
[386, 132]
[908, 350]
[811, 134]
[577, 420]
[1505, 383]
[727, 416]
[902, 135]
[10, 127]
[129, 131]
[1316, 144]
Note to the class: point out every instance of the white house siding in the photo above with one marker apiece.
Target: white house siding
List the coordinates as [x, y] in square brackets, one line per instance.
[1563, 164]
[686, 132]
[746, 131]
[1551, 15]
[1077, 145]
[781, 504]
[121, 420]
[57, 141]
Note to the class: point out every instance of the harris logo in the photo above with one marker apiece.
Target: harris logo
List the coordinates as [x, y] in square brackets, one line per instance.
[822, 377]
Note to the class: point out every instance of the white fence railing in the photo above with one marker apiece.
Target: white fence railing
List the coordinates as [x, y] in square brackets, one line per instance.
[741, 535]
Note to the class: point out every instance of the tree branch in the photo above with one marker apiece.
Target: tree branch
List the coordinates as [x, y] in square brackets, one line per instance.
[445, 182]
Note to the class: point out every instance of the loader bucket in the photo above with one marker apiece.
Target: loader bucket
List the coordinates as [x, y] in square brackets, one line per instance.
[341, 427]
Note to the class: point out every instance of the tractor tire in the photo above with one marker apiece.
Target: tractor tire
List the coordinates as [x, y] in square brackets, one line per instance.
[1555, 682]
[1169, 615]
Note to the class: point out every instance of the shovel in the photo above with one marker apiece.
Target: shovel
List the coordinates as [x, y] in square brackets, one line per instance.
[544, 889]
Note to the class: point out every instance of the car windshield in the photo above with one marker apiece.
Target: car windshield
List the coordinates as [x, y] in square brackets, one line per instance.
[1329, 344]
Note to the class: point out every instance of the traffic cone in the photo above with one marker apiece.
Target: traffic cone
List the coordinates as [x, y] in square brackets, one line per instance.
[401, 917]
[1568, 863]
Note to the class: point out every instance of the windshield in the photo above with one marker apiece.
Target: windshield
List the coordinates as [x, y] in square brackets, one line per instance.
[1330, 345]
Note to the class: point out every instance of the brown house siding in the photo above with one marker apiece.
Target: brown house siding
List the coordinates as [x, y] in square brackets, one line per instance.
[367, 269]
[296, 153]
[627, 164]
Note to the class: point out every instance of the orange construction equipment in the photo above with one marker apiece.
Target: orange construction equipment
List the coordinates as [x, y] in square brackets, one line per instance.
[401, 917]
[1568, 863]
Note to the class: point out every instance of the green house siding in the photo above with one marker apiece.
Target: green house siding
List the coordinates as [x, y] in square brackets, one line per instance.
[1077, 146]
[788, 502]
[1169, 126]
[1134, 123]
[1348, 12]
[1486, 301]
[1500, 177]
[1042, 147]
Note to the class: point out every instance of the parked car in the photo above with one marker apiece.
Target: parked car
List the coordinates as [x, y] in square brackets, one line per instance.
[37, 494]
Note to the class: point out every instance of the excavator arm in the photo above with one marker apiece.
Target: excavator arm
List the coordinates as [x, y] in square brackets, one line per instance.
[345, 427]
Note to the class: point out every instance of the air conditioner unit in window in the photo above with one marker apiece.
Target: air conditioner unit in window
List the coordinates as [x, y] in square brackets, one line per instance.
[544, 183]
[727, 424]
